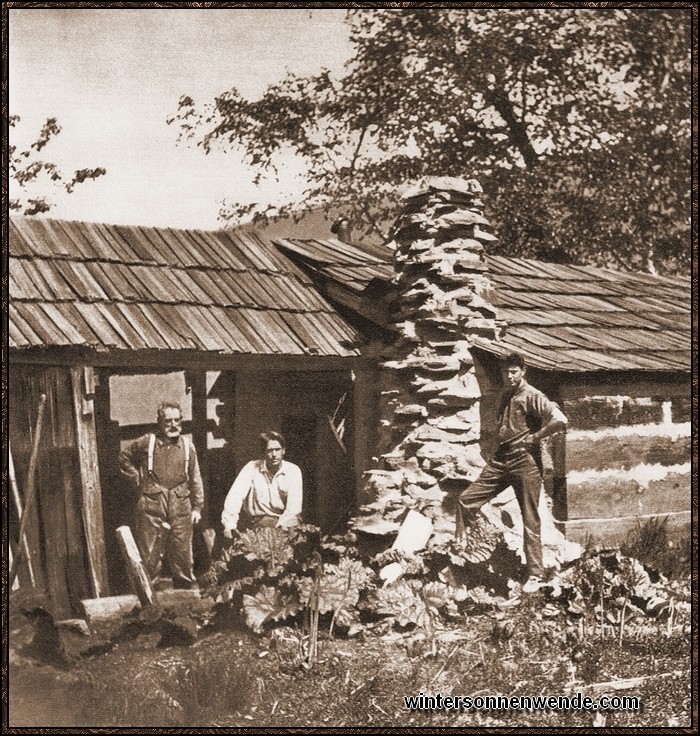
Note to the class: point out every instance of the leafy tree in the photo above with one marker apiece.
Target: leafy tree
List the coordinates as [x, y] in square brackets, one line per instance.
[576, 122]
[26, 169]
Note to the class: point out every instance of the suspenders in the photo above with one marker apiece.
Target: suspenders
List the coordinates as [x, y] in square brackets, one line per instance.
[152, 446]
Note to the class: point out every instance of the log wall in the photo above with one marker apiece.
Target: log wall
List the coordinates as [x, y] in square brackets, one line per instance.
[627, 462]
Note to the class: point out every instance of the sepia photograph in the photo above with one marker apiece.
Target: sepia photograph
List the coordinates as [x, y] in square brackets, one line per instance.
[349, 370]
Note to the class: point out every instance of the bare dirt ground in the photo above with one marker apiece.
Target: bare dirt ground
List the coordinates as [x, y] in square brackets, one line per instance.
[230, 677]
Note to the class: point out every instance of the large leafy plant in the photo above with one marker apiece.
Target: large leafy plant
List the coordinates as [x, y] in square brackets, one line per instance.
[275, 575]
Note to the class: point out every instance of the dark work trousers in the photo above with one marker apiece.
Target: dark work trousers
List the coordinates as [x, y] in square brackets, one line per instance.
[514, 467]
[170, 505]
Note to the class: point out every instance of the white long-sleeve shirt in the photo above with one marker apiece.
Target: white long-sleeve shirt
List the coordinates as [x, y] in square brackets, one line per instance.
[264, 494]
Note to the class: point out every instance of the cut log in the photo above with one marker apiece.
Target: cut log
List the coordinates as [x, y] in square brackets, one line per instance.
[138, 577]
[104, 609]
[116, 606]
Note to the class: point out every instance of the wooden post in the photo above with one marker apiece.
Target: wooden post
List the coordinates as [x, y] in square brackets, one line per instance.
[197, 383]
[18, 504]
[31, 486]
[560, 510]
[90, 477]
[366, 423]
[138, 577]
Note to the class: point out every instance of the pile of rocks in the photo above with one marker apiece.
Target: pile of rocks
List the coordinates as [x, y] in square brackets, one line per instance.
[430, 394]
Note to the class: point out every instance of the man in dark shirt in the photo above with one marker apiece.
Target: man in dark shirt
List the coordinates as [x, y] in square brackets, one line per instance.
[526, 416]
[165, 469]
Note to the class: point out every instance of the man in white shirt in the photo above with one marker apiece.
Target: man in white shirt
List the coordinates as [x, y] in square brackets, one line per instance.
[269, 490]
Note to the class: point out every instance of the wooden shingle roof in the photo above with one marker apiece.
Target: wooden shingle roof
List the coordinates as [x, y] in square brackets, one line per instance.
[131, 288]
[560, 317]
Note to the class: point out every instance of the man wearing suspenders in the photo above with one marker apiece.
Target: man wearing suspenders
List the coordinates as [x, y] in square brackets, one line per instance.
[165, 468]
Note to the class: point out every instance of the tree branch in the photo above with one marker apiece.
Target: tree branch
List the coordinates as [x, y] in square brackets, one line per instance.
[518, 129]
[356, 153]
[373, 222]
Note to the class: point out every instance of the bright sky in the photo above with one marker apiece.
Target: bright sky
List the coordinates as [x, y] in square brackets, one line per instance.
[112, 77]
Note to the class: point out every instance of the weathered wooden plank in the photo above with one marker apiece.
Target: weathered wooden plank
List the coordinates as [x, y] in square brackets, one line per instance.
[229, 284]
[225, 324]
[76, 568]
[366, 408]
[21, 334]
[166, 314]
[58, 243]
[599, 360]
[22, 283]
[53, 530]
[253, 249]
[55, 313]
[102, 242]
[151, 280]
[138, 576]
[128, 235]
[288, 342]
[155, 253]
[91, 490]
[33, 314]
[134, 314]
[100, 325]
[205, 248]
[183, 287]
[185, 256]
[73, 233]
[150, 358]
[171, 337]
[209, 284]
[236, 250]
[20, 244]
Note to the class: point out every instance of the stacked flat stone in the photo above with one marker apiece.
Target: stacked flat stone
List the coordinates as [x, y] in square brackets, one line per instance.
[430, 397]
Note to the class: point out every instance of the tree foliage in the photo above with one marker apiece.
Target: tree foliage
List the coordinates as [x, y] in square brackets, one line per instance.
[27, 168]
[576, 122]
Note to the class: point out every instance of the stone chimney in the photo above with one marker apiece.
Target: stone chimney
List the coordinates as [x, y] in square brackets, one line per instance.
[429, 449]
